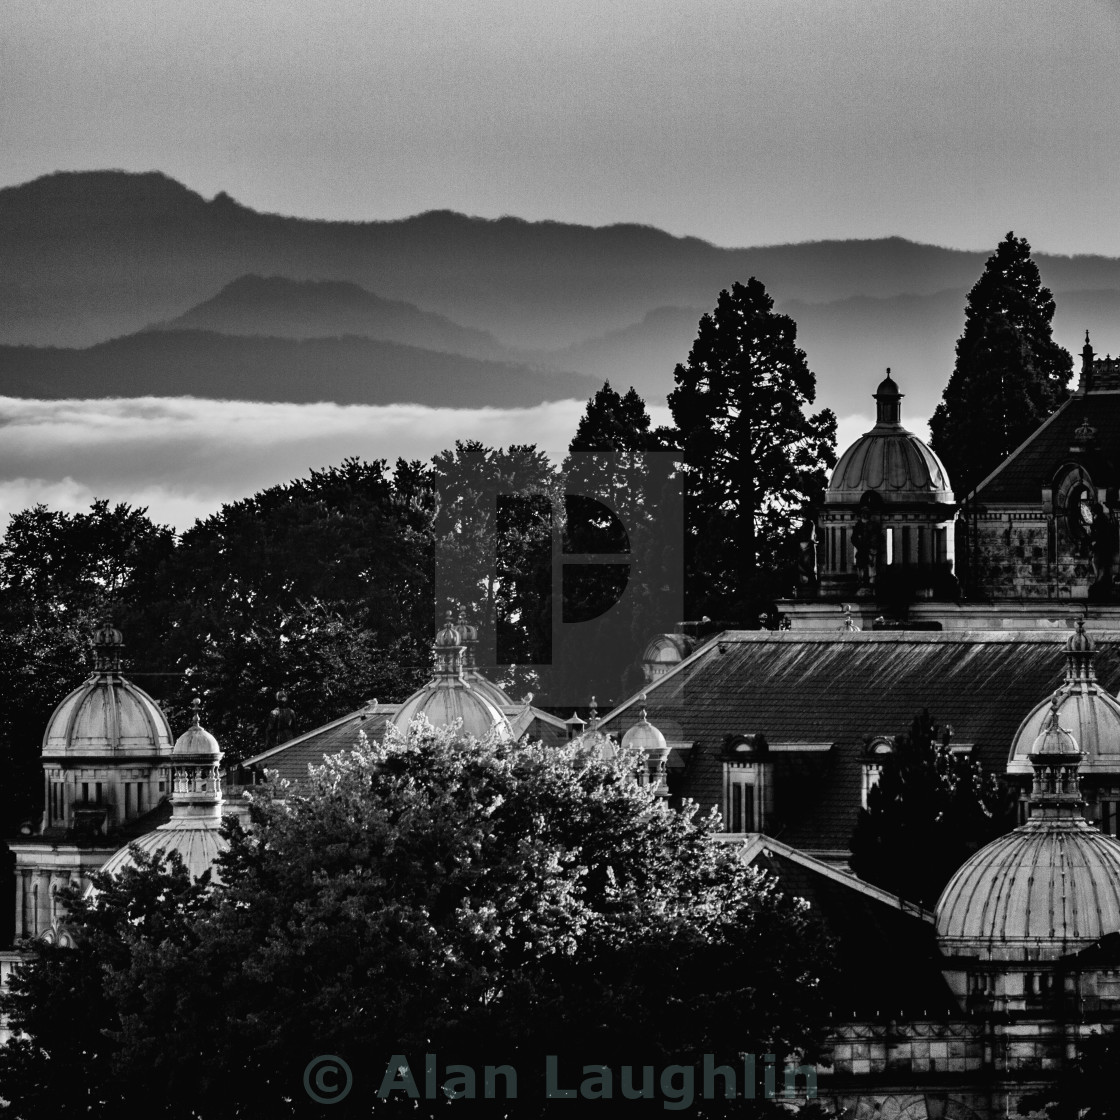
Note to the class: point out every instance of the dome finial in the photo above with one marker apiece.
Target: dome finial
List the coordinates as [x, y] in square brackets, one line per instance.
[196, 706]
[107, 644]
[1080, 651]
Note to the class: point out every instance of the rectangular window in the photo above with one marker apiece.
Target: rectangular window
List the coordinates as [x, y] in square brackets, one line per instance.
[139, 798]
[843, 550]
[85, 792]
[97, 793]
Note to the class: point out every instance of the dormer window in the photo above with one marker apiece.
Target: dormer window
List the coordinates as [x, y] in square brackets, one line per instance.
[745, 783]
[875, 753]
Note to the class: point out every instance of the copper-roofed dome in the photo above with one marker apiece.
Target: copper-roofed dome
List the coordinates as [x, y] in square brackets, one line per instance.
[1089, 710]
[107, 715]
[890, 461]
[1047, 889]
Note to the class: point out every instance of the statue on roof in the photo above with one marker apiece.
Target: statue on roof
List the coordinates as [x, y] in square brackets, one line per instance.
[281, 723]
[1103, 547]
[866, 540]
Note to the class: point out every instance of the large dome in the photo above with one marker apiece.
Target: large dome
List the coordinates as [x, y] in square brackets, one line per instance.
[449, 696]
[890, 461]
[107, 715]
[1051, 885]
[442, 706]
[1084, 706]
[198, 842]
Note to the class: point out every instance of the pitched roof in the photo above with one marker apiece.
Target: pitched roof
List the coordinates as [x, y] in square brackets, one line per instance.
[1031, 466]
[290, 760]
[839, 688]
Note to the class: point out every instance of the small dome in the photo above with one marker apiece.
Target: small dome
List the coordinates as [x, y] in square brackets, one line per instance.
[1051, 885]
[644, 736]
[198, 843]
[196, 741]
[1089, 712]
[888, 387]
[1054, 739]
[890, 461]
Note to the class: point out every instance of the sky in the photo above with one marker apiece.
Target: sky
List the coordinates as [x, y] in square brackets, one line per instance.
[740, 121]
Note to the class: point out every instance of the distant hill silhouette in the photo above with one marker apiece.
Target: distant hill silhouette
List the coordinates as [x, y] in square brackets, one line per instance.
[282, 308]
[89, 256]
[347, 370]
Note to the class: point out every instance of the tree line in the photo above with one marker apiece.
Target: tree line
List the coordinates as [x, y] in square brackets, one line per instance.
[326, 587]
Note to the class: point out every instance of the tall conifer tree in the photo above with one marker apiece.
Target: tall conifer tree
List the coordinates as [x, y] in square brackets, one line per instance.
[754, 461]
[1009, 373]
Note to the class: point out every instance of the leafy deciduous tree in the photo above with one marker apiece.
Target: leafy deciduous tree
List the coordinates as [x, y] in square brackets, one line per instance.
[486, 903]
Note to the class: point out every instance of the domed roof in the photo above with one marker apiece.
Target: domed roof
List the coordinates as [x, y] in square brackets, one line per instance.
[196, 742]
[194, 830]
[644, 736]
[106, 714]
[449, 696]
[1050, 887]
[197, 842]
[890, 461]
[1091, 713]
[442, 706]
[1052, 884]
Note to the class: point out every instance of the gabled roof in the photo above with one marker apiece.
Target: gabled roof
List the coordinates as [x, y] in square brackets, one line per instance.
[1031, 466]
[291, 759]
[838, 687]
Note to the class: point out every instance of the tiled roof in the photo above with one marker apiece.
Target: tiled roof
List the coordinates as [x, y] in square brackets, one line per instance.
[290, 760]
[1023, 474]
[839, 688]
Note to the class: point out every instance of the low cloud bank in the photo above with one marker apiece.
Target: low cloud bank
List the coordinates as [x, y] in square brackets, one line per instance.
[183, 457]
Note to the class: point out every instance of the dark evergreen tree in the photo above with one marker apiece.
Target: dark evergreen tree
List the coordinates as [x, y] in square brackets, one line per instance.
[928, 812]
[1009, 373]
[753, 460]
